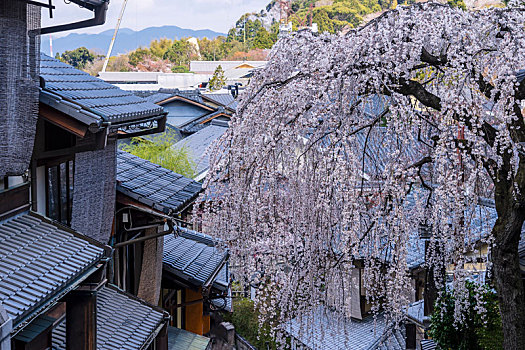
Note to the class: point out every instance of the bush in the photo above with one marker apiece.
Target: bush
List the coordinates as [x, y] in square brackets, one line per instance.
[479, 330]
[160, 151]
[180, 69]
[245, 318]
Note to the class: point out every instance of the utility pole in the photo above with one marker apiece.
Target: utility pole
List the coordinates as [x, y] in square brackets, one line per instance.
[106, 61]
[244, 41]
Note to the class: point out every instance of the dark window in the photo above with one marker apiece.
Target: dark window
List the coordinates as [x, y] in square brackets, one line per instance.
[59, 191]
[57, 138]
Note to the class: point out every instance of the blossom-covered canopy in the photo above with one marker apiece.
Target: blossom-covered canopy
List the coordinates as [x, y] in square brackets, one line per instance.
[342, 146]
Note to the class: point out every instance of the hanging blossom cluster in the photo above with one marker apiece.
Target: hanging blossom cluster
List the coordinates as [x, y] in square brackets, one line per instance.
[343, 147]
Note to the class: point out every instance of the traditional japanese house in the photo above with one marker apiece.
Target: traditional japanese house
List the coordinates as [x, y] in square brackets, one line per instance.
[47, 270]
[200, 146]
[81, 118]
[54, 254]
[19, 54]
[190, 110]
[195, 280]
[220, 99]
[323, 328]
[418, 313]
[52, 275]
[123, 322]
[178, 268]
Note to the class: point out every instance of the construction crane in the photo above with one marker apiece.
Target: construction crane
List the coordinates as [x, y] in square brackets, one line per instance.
[285, 10]
[309, 15]
[106, 61]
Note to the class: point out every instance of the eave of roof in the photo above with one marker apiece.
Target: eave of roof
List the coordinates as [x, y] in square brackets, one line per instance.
[89, 3]
[123, 321]
[185, 99]
[192, 125]
[210, 98]
[179, 339]
[154, 186]
[89, 99]
[41, 261]
[194, 258]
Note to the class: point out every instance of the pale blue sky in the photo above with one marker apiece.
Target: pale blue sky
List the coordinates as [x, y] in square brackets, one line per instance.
[218, 15]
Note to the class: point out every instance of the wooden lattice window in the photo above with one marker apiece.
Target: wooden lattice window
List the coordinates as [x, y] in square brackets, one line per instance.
[59, 191]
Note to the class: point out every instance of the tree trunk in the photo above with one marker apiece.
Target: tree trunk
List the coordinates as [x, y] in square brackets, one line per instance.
[507, 274]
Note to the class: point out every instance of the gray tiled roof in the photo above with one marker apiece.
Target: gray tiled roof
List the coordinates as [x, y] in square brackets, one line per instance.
[153, 185]
[157, 97]
[393, 340]
[428, 344]
[199, 145]
[380, 148]
[92, 99]
[165, 93]
[416, 311]
[325, 329]
[520, 75]
[196, 125]
[480, 221]
[224, 99]
[39, 261]
[123, 322]
[193, 257]
[179, 339]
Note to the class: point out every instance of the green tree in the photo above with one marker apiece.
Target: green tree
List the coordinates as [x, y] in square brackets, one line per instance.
[262, 39]
[180, 52]
[160, 151]
[324, 23]
[480, 330]
[218, 80]
[458, 3]
[213, 50]
[251, 27]
[138, 56]
[158, 48]
[78, 58]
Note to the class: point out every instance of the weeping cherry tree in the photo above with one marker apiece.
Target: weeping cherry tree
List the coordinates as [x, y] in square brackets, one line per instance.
[342, 146]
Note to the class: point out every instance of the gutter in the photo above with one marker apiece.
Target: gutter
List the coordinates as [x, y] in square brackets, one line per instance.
[94, 120]
[142, 239]
[46, 305]
[213, 276]
[155, 333]
[99, 18]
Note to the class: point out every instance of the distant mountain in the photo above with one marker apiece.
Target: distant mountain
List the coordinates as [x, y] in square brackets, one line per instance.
[127, 39]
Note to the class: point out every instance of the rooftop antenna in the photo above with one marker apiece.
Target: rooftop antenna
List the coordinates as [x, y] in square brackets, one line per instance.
[106, 61]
